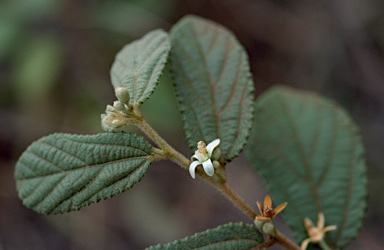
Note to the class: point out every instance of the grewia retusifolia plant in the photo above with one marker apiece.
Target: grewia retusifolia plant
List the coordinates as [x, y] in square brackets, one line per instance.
[306, 147]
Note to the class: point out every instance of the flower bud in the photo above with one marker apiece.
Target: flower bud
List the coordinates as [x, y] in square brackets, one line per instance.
[112, 122]
[122, 94]
[269, 229]
[110, 109]
[259, 222]
[106, 122]
[117, 123]
[216, 154]
[216, 164]
[119, 105]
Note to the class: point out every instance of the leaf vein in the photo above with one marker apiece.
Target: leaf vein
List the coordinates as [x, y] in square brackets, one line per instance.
[88, 166]
[49, 193]
[301, 153]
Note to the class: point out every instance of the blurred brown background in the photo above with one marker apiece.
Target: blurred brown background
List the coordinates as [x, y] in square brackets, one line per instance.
[55, 58]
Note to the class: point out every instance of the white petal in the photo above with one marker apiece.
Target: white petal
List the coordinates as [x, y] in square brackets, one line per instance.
[192, 168]
[194, 157]
[208, 167]
[200, 157]
[212, 145]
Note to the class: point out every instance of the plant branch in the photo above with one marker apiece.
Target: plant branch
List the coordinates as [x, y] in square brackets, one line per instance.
[158, 155]
[181, 160]
[166, 151]
[266, 244]
[232, 196]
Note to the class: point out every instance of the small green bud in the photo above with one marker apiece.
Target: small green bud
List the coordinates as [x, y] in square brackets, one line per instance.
[216, 164]
[122, 95]
[259, 224]
[269, 229]
[216, 154]
[260, 221]
[119, 105]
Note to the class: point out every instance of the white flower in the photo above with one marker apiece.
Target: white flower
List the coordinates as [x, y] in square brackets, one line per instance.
[203, 156]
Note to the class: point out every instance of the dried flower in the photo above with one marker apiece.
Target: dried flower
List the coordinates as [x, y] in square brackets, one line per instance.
[316, 234]
[266, 209]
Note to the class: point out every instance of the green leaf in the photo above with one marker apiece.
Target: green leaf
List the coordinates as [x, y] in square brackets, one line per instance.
[138, 66]
[229, 236]
[213, 84]
[62, 172]
[310, 153]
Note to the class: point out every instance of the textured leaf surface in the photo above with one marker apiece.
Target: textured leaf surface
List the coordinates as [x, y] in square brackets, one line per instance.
[213, 84]
[62, 172]
[230, 236]
[138, 66]
[310, 154]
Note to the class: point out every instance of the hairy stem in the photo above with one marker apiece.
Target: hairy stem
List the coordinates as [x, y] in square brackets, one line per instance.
[167, 149]
[232, 196]
[158, 155]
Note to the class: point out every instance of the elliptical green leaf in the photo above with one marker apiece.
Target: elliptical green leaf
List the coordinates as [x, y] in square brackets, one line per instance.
[226, 237]
[62, 172]
[139, 65]
[310, 153]
[213, 84]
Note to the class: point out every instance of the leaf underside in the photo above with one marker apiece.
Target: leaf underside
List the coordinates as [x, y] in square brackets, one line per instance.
[63, 172]
[139, 65]
[213, 84]
[229, 236]
[310, 153]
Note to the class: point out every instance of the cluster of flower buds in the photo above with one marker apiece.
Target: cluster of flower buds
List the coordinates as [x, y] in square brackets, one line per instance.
[118, 116]
[123, 98]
